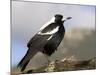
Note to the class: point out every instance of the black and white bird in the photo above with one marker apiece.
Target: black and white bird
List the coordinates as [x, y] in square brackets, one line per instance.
[46, 40]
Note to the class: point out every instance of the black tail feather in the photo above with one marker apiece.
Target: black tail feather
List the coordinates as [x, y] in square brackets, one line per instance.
[24, 66]
[23, 63]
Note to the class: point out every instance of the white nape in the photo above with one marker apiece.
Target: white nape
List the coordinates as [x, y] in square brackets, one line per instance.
[64, 18]
[45, 25]
[50, 32]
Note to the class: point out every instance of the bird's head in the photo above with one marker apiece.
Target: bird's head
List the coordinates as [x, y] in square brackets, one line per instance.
[59, 18]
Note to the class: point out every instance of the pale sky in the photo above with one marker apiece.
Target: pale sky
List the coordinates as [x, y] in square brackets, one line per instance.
[28, 17]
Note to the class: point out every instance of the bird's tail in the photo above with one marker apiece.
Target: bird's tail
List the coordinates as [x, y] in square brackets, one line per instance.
[23, 63]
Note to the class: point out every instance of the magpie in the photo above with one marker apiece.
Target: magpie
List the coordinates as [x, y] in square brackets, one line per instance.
[46, 40]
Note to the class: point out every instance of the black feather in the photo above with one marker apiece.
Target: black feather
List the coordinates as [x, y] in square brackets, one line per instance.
[23, 63]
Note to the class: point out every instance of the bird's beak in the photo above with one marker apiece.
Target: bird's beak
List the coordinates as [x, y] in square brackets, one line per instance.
[68, 18]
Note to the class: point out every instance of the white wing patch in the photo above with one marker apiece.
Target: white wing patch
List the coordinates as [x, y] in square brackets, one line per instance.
[49, 37]
[45, 25]
[50, 32]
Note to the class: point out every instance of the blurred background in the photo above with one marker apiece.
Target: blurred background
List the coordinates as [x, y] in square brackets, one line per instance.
[80, 36]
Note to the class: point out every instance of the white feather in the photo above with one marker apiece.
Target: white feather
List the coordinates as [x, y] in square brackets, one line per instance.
[49, 37]
[45, 25]
[50, 32]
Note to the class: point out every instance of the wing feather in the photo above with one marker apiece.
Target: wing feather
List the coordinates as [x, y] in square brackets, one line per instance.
[38, 41]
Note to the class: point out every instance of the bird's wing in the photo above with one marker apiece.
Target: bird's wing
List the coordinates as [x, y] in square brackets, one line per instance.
[42, 36]
[54, 41]
[38, 41]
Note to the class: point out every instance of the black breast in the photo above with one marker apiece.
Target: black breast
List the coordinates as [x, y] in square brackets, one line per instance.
[54, 42]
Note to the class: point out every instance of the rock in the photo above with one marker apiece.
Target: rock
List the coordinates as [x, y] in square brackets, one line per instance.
[66, 65]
